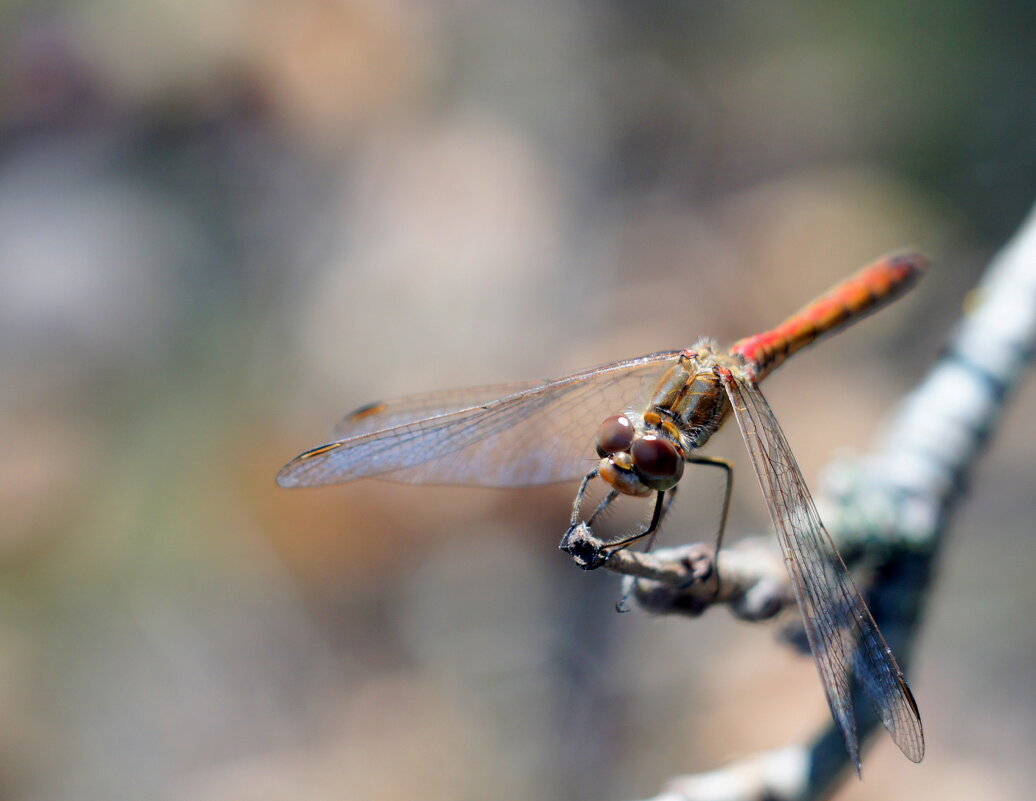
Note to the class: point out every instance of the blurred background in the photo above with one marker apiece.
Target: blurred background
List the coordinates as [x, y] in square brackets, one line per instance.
[224, 224]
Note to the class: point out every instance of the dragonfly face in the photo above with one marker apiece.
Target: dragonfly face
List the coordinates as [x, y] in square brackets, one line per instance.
[640, 456]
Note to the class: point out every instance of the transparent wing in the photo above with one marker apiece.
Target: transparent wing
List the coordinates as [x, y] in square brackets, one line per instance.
[539, 434]
[399, 411]
[841, 631]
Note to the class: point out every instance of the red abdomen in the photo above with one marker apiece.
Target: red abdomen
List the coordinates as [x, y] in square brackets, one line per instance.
[872, 287]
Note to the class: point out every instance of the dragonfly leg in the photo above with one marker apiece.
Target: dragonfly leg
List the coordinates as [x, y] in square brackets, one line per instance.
[661, 507]
[651, 534]
[622, 605]
[728, 469]
[590, 552]
[606, 501]
[580, 495]
[574, 523]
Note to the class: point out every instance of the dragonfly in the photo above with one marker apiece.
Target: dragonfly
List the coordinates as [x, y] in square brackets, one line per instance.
[658, 410]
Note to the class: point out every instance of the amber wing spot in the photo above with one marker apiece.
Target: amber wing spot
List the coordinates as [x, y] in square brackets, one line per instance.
[319, 451]
[366, 410]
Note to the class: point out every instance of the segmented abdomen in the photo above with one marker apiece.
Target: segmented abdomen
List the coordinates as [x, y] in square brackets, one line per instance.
[872, 287]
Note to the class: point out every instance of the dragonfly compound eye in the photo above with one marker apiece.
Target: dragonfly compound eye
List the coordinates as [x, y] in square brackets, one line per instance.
[614, 435]
[657, 462]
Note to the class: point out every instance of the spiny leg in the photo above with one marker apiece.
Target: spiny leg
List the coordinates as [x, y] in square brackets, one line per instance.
[656, 518]
[581, 495]
[577, 504]
[728, 468]
[595, 555]
[709, 461]
[606, 501]
[670, 498]
[622, 605]
[588, 550]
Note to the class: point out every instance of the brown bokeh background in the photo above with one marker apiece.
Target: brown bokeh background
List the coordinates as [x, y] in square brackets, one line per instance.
[224, 224]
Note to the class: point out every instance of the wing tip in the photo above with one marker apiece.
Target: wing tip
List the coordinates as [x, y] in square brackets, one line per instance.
[911, 743]
[286, 478]
[290, 476]
[911, 740]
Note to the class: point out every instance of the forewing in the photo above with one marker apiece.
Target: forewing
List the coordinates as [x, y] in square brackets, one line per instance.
[537, 435]
[841, 631]
[399, 411]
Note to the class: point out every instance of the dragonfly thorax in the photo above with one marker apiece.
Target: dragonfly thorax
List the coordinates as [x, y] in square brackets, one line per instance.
[691, 395]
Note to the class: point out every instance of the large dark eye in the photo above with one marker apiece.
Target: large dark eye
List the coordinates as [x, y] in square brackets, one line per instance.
[657, 461]
[614, 434]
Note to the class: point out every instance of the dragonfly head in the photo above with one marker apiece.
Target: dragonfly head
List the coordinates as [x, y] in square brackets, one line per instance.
[639, 459]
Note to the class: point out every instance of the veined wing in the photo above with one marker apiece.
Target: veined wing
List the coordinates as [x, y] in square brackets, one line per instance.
[380, 415]
[841, 631]
[540, 434]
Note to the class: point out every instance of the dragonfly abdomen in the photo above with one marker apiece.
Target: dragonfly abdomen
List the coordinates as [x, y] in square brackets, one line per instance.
[871, 288]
